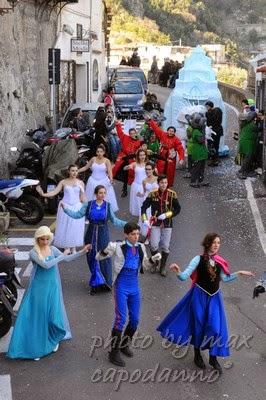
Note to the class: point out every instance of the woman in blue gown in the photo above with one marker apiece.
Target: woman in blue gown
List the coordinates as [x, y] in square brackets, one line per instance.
[98, 212]
[42, 320]
[199, 317]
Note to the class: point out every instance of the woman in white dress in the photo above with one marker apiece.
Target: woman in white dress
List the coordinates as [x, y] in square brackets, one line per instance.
[149, 184]
[136, 189]
[69, 233]
[101, 175]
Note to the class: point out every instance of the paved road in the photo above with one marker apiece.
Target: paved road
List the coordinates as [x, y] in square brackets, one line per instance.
[68, 374]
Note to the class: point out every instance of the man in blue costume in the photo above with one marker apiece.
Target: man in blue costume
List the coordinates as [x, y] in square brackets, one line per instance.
[130, 258]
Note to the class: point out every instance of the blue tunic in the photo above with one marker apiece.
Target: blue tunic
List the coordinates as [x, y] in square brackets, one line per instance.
[42, 321]
[199, 317]
[98, 235]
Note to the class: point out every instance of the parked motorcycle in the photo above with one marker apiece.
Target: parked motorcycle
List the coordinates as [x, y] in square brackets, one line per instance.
[29, 166]
[16, 194]
[9, 281]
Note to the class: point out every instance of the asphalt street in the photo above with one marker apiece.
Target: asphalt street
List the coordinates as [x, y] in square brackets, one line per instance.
[80, 372]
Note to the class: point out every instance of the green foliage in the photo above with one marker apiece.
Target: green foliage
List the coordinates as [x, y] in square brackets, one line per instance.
[232, 75]
[192, 21]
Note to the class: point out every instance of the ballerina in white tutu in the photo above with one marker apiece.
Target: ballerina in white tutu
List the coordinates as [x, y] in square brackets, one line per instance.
[149, 183]
[101, 175]
[69, 233]
[136, 190]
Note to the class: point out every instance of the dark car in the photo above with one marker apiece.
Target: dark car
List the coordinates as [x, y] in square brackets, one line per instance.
[129, 97]
[130, 72]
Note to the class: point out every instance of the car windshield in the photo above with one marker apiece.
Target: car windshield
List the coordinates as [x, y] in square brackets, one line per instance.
[128, 87]
[138, 74]
[87, 118]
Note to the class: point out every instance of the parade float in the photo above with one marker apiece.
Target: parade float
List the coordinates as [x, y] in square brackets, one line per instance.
[196, 84]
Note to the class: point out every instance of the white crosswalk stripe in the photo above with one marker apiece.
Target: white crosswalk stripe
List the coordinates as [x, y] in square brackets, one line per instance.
[5, 387]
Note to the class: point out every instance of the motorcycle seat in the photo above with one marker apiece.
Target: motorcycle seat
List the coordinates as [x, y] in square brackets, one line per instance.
[9, 183]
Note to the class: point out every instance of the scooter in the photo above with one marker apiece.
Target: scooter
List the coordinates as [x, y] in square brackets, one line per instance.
[16, 196]
[9, 281]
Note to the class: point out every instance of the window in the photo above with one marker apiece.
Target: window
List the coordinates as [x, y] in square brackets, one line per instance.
[95, 76]
[79, 31]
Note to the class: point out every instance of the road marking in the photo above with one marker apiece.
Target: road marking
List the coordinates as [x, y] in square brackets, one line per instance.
[28, 270]
[21, 255]
[5, 387]
[20, 241]
[256, 214]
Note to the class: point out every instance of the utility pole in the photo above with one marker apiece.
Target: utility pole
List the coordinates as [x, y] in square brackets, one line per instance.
[54, 80]
[90, 59]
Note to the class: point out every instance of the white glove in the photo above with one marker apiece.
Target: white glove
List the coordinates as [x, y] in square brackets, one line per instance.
[146, 223]
[162, 217]
[156, 257]
[209, 133]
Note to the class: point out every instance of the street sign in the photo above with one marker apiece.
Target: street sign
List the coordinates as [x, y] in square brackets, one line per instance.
[54, 66]
[81, 45]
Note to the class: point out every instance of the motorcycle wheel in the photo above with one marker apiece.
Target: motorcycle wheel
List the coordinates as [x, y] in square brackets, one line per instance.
[5, 321]
[32, 209]
[13, 295]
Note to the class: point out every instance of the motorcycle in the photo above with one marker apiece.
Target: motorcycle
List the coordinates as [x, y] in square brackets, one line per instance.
[9, 281]
[29, 166]
[16, 196]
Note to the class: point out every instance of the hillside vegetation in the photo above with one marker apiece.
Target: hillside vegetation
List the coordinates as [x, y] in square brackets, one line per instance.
[165, 21]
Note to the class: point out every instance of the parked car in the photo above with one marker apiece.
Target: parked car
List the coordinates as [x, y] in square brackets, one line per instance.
[129, 97]
[88, 109]
[129, 72]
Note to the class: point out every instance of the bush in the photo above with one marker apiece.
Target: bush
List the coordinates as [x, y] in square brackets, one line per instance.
[232, 75]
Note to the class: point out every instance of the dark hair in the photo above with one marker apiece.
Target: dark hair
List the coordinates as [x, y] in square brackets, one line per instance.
[161, 177]
[245, 101]
[72, 166]
[75, 112]
[101, 146]
[130, 227]
[171, 127]
[98, 188]
[132, 129]
[140, 150]
[209, 103]
[110, 89]
[208, 241]
[151, 164]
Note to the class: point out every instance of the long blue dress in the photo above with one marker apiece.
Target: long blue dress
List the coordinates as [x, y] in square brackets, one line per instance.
[98, 235]
[42, 321]
[198, 318]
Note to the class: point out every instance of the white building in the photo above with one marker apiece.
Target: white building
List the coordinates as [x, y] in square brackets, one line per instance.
[82, 40]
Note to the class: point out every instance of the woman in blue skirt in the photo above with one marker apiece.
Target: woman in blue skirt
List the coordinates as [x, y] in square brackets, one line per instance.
[98, 212]
[199, 318]
[42, 321]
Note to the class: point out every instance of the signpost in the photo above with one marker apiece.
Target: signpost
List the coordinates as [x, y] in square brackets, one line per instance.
[81, 45]
[54, 79]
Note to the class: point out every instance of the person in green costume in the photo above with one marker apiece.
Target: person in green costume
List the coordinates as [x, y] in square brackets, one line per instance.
[247, 143]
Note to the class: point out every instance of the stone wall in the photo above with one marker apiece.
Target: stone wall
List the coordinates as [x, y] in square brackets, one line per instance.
[233, 95]
[24, 91]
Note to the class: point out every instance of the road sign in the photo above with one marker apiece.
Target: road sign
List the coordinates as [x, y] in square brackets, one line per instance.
[81, 45]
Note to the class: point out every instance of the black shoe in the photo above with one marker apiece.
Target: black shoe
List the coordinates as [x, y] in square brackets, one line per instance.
[214, 363]
[115, 358]
[198, 360]
[204, 183]
[126, 350]
[114, 354]
[163, 263]
[194, 185]
[93, 291]
[124, 193]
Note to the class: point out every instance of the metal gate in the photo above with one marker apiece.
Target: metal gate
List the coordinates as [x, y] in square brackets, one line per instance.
[67, 88]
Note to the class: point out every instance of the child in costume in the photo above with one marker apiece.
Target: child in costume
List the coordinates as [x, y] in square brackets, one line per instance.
[130, 258]
[199, 317]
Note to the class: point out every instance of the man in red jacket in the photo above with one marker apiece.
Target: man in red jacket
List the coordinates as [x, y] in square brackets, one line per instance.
[170, 146]
[129, 144]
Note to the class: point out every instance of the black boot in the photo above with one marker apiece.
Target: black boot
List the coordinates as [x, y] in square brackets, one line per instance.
[198, 360]
[155, 265]
[114, 354]
[127, 337]
[214, 363]
[163, 263]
